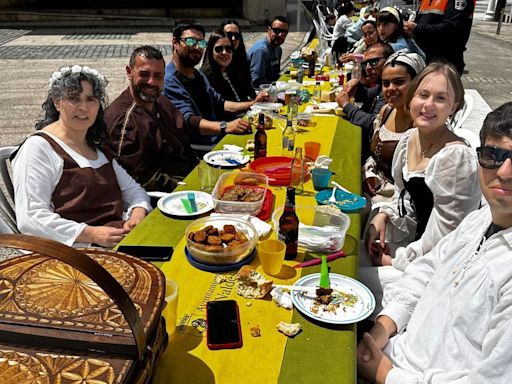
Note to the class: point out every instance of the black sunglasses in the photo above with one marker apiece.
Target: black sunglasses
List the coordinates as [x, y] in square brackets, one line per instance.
[279, 31]
[492, 157]
[234, 35]
[221, 48]
[372, 62]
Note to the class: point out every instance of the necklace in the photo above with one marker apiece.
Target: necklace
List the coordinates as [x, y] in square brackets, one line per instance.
[423, 153]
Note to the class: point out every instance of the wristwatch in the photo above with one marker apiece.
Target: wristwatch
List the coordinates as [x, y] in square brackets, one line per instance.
[223, 126]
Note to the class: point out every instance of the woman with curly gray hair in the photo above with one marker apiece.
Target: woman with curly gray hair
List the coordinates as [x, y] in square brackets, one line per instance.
[66, 189]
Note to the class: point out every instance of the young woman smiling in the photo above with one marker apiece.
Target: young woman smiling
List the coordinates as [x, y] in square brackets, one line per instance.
[436, 180]
[391, 123]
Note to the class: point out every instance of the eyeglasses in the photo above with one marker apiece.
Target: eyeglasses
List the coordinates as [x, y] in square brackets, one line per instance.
[222, 48]
[492, 157]
[372, 62]
[234, 35]
[279, 31]
[191, 42]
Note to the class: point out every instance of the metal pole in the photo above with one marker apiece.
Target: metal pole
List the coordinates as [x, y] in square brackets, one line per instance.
[498, 29]
[299, 11]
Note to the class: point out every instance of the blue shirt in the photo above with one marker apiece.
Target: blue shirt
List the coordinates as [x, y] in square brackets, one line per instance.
[265, 62]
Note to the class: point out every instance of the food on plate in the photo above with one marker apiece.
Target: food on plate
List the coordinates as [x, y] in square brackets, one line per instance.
[323, 296]
[255, 331]
[251, 284]
[210, 238]
[245, 194]
[288, 329]
[332, 300]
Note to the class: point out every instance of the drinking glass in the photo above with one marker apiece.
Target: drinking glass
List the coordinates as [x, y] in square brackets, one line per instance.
[170, 311]
[271, 253]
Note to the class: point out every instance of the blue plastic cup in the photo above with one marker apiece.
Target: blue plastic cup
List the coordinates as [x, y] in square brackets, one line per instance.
[321, 177]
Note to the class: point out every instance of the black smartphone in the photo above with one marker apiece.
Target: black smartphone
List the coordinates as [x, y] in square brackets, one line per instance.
[223, 325]
[148, 252]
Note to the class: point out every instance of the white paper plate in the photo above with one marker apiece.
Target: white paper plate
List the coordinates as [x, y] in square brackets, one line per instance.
[172, 205]
[220, 158]
[267, 106]
[344, 314]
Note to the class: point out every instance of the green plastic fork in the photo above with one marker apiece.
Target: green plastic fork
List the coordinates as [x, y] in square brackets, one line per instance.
[324, 274]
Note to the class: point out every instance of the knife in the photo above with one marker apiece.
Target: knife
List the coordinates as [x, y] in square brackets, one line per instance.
[311, 262]
[192, 200]
[186, 205]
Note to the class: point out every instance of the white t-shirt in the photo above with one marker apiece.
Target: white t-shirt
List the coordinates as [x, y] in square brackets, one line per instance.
[37, 169]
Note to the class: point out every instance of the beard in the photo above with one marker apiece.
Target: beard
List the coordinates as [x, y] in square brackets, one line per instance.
[139, 92]
[188, 60]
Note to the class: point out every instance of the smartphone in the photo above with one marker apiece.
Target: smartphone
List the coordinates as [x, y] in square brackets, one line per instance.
[148, 252]
[223, 325]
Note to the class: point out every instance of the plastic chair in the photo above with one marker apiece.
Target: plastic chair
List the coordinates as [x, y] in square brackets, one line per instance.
[462, 115]
[7, 213]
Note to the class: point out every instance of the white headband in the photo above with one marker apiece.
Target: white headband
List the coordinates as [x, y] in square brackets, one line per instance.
[66, 71]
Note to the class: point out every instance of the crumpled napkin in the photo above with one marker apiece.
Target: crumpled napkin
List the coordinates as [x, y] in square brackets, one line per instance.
[262, 227]
[323, 161]
[232, 147]
[282, 298]
[320, 239]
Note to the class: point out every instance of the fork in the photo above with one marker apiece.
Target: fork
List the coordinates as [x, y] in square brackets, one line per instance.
[332, 199]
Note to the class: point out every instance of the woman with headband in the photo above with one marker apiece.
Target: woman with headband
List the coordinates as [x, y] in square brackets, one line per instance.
[390, 124]
[65, 188]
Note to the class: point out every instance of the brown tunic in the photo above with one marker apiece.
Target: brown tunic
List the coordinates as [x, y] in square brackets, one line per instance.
[87, 195]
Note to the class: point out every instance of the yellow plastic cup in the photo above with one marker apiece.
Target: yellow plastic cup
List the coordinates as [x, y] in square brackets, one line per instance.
[170, 311]
[271, 253]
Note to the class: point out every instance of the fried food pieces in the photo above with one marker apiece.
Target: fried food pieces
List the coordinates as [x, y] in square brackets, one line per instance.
[210, 238]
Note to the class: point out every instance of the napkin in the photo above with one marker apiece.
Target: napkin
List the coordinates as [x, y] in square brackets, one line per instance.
[282, 298]
[232, 147]
[262, 227]
[323, 161]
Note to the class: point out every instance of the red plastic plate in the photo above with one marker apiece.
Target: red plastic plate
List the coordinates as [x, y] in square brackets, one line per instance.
[277, 168]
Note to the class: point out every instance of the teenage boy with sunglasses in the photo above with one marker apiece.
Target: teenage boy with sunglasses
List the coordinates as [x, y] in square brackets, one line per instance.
[449, 317]
[372, 97]
[265, 54]
[190, 91]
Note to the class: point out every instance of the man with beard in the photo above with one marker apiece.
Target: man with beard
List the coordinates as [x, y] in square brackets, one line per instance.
[145, 132]
[372, 98]
[265, 54]
[190, 91]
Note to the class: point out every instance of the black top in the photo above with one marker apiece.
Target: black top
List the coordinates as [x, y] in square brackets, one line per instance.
[422, 201]
[197, 89]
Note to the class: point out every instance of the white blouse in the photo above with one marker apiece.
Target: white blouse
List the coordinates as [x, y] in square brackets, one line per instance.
[37, 169]
[452, 177]
[453, 309]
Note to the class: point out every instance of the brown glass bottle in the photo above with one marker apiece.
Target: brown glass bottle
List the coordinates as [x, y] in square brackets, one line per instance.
[289, 225]
[260, 138]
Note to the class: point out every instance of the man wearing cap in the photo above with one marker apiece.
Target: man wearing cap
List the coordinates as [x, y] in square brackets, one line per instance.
[265, 54]
[442, 29]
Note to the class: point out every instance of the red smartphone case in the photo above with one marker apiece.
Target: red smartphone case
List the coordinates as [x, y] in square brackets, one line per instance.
[234, 345]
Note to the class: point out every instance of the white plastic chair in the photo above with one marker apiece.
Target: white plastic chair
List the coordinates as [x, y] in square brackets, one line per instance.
[462, 115]
[7, 213]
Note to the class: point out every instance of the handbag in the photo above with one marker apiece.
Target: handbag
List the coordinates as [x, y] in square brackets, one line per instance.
[78, 315]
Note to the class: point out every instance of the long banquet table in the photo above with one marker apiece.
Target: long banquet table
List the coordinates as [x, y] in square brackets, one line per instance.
[321, 352]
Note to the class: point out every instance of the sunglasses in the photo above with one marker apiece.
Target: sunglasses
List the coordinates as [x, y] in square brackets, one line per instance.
[234, 35]
[372, 62]
[222, 48]
[492, 157]
[279, 31]
[191, 42]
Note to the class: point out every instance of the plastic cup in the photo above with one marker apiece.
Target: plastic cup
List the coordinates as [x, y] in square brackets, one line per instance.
[271, 253]
[311, 149]
[321, 177]
[208, 176]
[170, 311]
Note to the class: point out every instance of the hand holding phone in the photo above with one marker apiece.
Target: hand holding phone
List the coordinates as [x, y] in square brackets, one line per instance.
[223, 325]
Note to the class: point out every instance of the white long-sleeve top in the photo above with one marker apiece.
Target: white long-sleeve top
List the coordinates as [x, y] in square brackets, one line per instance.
[341, 26]
[37, 169]
[452, 177]
[456, 303]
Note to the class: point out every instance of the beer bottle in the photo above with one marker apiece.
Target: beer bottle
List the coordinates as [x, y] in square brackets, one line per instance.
[289, 225]
[260, 138]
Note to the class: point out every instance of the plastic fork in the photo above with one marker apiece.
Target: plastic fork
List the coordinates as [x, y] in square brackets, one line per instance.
[332, 199]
